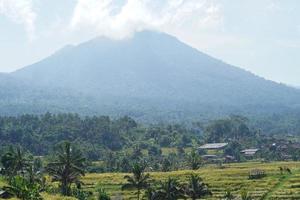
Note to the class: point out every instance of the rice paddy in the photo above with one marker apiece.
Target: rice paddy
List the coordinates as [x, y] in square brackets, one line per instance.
[234, 177]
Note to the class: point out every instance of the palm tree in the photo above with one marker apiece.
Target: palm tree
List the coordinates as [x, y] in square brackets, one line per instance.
[170, 190]
[150, 194]
[138, 181]
[194, 160]
[67, 167]
[196, 188]
[14, 161]
[34, 176]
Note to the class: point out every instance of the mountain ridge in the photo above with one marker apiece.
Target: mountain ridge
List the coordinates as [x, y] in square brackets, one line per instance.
[155, 71]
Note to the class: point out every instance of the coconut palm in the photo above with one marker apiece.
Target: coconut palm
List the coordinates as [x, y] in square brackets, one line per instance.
[34, 176]
[194, 160]
[151, 194]
[14, 161]
[138, 181]
[196, 188]
[170, 190]
[67, 167]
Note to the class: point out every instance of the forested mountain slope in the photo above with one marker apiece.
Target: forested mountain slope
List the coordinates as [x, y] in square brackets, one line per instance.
[151, 75]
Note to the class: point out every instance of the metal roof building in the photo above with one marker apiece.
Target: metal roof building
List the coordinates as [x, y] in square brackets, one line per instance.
[213, 146]
[249, 152]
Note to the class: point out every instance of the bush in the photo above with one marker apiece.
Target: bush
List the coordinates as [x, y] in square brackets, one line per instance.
[102, 195]
[21, 188]
[82, 195]
[154, 151]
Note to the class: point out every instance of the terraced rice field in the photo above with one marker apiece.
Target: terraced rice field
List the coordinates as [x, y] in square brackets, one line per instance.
[275, 186]
[233, 177]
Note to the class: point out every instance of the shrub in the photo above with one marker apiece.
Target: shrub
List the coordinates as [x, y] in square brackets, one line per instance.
[21, 188]
[102, 195]
[82, 195]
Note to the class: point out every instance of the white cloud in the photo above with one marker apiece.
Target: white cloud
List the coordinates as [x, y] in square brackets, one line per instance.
[21, 12]
[274, 6]
[108, 18]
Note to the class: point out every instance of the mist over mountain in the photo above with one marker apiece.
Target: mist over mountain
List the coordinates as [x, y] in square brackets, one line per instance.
[151, 75]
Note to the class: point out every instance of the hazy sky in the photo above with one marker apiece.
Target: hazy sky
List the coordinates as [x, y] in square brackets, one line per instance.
[262, 36]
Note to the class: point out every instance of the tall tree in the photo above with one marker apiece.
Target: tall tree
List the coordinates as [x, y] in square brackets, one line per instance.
[194, 160]
[14, 161]
[196, 188]
[67, 167]
[170, 190]
[138, 181]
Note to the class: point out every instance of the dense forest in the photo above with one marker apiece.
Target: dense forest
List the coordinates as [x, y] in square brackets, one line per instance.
[38, 134]
[123, 140]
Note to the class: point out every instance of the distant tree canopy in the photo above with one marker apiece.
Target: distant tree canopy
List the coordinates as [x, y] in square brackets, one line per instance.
[232, 128]
[122, 141]
[38, 134]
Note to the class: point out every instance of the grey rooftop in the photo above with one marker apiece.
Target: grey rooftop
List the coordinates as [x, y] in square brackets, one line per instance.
[213, 146]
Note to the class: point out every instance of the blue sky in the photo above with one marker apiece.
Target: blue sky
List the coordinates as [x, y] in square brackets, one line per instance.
[262, 36]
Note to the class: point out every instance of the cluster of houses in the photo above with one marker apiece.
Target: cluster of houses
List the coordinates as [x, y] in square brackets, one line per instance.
[215, 152]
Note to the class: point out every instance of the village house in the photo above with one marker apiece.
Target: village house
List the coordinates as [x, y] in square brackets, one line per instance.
[213, 146]
[249, 152]
[214, 151]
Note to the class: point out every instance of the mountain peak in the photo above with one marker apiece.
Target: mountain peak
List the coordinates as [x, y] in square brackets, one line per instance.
[154, 70]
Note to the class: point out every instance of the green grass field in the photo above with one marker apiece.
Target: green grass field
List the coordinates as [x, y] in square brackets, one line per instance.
[232, 176]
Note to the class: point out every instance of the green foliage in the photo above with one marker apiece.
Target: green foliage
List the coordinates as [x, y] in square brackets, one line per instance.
[150, 194]
[96, 136]
[196, 188]
[194, 160]
[102, 195]
[232, 128]
[139, 180]
[171, 189]
[23, 189]
[166, 165]
[82, 195]
[14, 161]
[234, 149]
[67, 167]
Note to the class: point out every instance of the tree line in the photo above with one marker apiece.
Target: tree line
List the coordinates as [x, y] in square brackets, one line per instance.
[120, 142]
